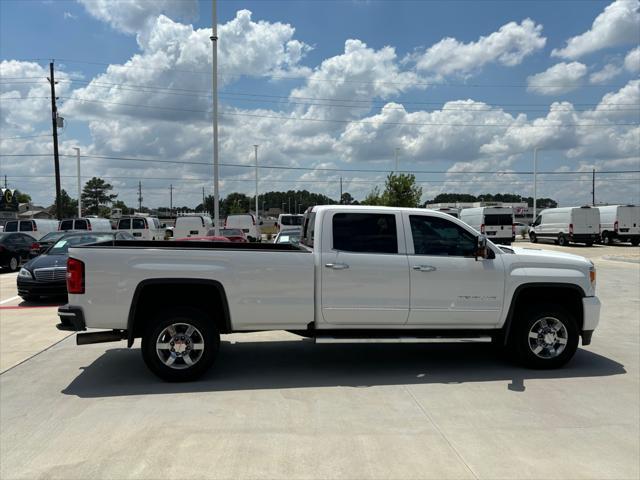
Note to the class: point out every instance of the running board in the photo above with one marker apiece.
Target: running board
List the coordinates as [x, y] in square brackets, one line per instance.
[403, 340]
[100, 337]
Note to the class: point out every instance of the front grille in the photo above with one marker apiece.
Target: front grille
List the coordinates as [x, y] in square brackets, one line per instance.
[52, 274]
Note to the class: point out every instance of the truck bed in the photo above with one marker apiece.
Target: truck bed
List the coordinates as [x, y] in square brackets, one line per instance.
[195, 244]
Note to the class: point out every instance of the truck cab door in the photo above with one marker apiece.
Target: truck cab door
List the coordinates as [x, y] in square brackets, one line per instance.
[450, 288]
[364, 269]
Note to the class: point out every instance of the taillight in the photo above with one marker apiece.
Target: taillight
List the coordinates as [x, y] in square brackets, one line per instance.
[482, 228]
[89, 226]
[35, 246]
[75, 276]
[615, 226]
[571, 229]
[35, 227]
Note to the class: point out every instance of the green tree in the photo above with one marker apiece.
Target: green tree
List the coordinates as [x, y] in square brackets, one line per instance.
[69, 205]
[401, 191]
[96, 196]
[346, 199]
[22, 197]
[120, 204]
[373, 197]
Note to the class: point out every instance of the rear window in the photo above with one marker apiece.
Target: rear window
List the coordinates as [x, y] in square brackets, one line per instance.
[81, 225]
[11, 227]
[26, 226]
[291, 220]
[365, 232]
[498, 219]
[138, 223]
[66, 225]
[124, 224]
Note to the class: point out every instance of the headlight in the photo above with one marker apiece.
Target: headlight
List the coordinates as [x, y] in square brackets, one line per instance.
[24, 273]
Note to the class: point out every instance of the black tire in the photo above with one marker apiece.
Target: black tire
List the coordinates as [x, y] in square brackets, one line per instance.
[589, 244]
[30, 298]
[14, 264]
[606, 238]
[532, 237]
[205, 331]
[523, 347]
[562, 240]
[635, 242]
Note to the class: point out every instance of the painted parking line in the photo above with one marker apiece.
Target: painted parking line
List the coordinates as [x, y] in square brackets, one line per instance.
[9, 300]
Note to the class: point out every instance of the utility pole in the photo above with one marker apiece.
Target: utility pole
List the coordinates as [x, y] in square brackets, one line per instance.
[535, 183]
[255, 150]
[77, 149]
[340, 190]
[139, 196]
[5, 181]
[170, 199]
[203, 208]
[289, 210]
[593, 187]
[214, 93]
[54, 123]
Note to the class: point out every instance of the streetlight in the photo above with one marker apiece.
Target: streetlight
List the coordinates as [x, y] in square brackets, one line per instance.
[77, 149]
[535, 182]
[255, 148]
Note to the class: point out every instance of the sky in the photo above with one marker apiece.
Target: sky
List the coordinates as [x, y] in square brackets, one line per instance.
[459, 92]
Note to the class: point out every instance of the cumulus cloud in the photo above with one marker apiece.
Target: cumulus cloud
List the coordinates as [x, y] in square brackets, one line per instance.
[618, 24]
[632, 61]
[608, 72]
[131, 16]
[508, 46]
[560, 78]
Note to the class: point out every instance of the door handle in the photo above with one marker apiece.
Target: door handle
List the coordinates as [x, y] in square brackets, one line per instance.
[337, 266]
[424, 268]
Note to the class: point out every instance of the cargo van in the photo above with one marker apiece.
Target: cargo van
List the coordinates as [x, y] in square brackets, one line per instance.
[567, 224]
[192, 226]
[93, 224]
[287, 221]
[247, 223]
[620, 222]
[37, 228]
[142, 228]
[454, 212]
[495, 222]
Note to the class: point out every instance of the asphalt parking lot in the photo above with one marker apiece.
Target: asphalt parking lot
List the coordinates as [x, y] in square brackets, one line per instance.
[277, 406]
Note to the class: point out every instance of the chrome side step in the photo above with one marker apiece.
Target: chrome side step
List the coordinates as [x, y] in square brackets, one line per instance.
[485, 339]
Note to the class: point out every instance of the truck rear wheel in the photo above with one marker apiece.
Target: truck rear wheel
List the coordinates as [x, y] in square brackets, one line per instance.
[547, 337]
[562, 240]
[180, 345]
[532, 237]
[635, 242]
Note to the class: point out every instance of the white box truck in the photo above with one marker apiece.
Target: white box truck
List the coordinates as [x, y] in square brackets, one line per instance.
[620, 222]
[495, 222]
[567, 224]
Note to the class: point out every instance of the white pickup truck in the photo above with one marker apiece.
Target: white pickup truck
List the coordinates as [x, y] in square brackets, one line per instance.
[359, 273]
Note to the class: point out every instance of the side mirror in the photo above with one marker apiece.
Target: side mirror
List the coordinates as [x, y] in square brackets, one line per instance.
[482, 251]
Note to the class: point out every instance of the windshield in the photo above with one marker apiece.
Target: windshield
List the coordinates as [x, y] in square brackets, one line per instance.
[62, 246]
[291, 220]
[52, 236]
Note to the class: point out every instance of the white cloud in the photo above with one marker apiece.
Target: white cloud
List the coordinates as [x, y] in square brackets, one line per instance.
[131, 16]
[508, 46]
[632, 61]
[618, 24]
[69, 16]
[608, 72]
[558, 79]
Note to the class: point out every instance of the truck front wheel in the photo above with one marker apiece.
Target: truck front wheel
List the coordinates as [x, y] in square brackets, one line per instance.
[547, 337]
[180, 345]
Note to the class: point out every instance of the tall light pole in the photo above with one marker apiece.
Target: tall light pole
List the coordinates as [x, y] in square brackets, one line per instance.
[255, 151]
[535, 183]
[77, 149]
[214, 93]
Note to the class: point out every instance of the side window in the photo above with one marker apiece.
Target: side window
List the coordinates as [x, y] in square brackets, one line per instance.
[138, 223]
[365, 232]
[26, 226]
[308, 230]
[438, 236]
[11, 226]
[81, 225]
[125, 224]
[537, 222]
[66, 225]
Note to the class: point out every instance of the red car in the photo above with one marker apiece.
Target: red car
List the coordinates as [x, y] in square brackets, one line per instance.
[207, 238]
[235, 235]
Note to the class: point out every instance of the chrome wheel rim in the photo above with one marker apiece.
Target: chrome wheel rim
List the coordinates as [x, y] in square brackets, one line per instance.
[180, 346]
[13, 264]
[548, 338]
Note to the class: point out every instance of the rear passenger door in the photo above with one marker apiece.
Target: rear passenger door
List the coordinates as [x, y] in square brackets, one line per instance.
[364, 270]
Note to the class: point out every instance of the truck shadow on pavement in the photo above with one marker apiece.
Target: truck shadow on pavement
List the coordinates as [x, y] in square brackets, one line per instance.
[301, 364]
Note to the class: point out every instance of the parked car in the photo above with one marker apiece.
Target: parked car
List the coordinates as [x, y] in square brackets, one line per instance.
[567, 224]
[247, 223]
[192, 225]
[45, 242]
[37, 227]
[620, 222]
[520, 229]
[205, 238]
[94, 224]
[14, 249]
[142, 228]
[234, 234]
[495, 222]
[45, 275]
[359, 272]
[287, 220]
[288, 236]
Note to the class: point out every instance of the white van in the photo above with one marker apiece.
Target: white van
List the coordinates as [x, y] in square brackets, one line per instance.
[93, 224]
[247, 223]
[620, 222]
[454, 212]
[142, 228]
[495, 222]
[37, 228]
[567, 224]
[288, 221]
[192, 226]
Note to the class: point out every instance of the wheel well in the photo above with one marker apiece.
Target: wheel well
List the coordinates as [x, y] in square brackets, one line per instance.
[567, 296]
[154, 296]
